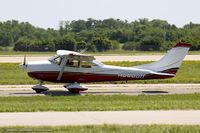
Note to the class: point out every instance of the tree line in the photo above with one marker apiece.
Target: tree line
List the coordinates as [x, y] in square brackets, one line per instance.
[98, 35]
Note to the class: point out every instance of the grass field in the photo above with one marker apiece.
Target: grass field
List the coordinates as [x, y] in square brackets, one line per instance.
[107, 129]
[117, 52]
[11, 74]
[99, 103]
[188, 73]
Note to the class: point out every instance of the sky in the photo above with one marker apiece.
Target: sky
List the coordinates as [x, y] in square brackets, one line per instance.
[48, 13]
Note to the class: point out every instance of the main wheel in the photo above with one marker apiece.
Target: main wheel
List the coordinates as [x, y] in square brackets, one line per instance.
[76, 90]
[39, 88]
[38, 91]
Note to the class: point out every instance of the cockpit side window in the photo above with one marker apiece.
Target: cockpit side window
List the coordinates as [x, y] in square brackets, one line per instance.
[78, 63]
[73, 63]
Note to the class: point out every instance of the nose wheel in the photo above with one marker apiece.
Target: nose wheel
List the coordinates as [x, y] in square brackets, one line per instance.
[39, 88]
[75, 88]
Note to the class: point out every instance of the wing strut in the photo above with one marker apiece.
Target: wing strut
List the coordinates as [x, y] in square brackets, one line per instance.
[62, 66]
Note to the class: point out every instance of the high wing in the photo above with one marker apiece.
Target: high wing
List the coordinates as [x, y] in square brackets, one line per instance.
[71, 55]
[75, 55]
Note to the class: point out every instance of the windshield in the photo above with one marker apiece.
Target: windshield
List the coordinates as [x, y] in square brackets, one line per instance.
[56, 59]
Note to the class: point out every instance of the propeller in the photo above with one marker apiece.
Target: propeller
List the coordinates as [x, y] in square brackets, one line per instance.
[23, 65]
[24, 60]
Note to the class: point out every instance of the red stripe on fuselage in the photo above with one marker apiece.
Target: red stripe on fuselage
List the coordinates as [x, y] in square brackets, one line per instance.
[71, 77]
[170, 71]
[182, 44]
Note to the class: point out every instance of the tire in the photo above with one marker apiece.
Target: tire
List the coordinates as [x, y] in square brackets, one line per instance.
[38, 91]
[74, 91]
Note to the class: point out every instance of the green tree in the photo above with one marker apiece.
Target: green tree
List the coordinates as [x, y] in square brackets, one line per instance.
[22, 44]
[150, 44]
[78, 25]
[81, 46]
[67, 43]
[102, 44]
[99, 35]
[5, 39]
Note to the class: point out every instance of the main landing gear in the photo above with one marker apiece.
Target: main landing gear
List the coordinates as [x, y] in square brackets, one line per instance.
[39, 88]
[75, 88]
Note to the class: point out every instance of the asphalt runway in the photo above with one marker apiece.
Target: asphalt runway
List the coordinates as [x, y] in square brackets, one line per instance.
[104, 89]
[178, 117]
[19, 59]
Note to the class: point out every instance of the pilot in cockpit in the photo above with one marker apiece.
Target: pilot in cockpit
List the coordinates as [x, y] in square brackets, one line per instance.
[70, 63]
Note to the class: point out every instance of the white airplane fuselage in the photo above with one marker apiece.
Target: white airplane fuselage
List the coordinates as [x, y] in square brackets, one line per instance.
[48, 71]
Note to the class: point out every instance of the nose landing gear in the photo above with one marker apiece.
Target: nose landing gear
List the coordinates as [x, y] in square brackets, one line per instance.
[39, 88]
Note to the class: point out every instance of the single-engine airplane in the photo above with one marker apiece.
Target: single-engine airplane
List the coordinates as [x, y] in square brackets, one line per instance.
[75, 68]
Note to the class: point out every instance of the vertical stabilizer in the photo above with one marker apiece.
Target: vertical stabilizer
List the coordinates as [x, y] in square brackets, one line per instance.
[171, 62]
